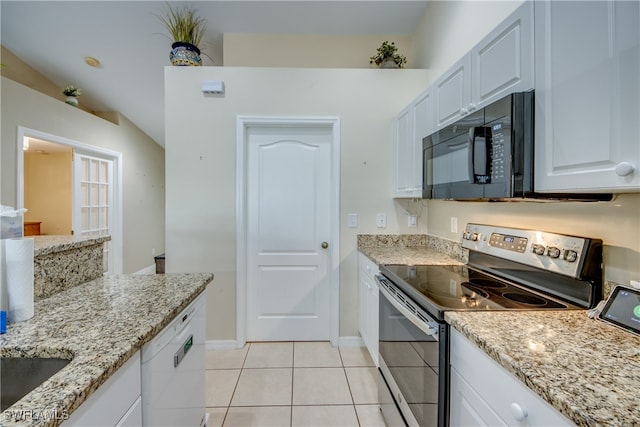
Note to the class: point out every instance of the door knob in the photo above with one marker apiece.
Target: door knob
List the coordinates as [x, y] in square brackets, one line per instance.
[324, 245]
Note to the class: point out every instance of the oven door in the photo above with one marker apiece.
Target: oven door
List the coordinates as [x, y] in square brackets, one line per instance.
[413, 350]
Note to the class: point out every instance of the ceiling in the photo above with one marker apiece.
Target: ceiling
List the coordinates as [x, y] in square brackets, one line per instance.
[127, 37]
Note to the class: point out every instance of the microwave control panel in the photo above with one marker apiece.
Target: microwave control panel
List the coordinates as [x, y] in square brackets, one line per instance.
[498, 154]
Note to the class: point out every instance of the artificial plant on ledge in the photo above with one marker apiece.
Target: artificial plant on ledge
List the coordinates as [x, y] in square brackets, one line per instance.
[386, 56]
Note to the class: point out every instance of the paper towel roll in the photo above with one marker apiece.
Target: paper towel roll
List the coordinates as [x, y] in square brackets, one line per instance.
[4, 298]
[19, 268]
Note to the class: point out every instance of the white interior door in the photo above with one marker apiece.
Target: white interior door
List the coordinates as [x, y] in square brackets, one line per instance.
[93, 199]
[288, 226]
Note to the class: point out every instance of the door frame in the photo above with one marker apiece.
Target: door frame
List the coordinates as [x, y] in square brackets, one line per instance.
[243, 123]
[116, 244]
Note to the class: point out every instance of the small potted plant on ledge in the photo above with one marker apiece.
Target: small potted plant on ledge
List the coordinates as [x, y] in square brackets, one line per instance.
[186, 29]
[72, 93]
[386, 56]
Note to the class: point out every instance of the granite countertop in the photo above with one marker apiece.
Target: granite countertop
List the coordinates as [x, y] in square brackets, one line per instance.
[44, 245]
[586, 369]
[406, 249]
[100, 325]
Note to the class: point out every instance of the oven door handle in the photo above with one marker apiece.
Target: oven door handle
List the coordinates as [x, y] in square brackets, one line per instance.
[431, 329]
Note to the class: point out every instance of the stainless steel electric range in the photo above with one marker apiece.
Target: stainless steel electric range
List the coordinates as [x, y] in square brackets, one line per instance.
[508, 269]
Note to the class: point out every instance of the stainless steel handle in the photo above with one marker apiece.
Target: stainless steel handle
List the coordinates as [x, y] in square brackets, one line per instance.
[324, 245]
[429, 329]
[180, 354]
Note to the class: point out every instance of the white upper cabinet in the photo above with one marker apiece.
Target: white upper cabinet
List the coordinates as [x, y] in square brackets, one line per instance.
[411, 125]
[587, 96]
[499, 64]
[503, 61]
[402, 151]
[453, 92]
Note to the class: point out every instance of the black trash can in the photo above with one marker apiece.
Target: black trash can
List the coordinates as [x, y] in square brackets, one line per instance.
[159, 264]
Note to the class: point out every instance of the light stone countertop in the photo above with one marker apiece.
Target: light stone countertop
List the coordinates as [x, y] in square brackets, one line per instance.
[410, 256]
[586, 369]
[101, 324]
[44, 245]
[406, 249]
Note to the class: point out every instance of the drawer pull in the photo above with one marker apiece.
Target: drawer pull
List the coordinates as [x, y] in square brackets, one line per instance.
[518, 412]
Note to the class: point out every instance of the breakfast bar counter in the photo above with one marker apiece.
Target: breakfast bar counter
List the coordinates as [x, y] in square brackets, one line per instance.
[99, 325]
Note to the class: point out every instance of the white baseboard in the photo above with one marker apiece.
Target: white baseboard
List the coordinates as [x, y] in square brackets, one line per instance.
[350, 342]
[150, 269]
[221, 344]
[233, 344]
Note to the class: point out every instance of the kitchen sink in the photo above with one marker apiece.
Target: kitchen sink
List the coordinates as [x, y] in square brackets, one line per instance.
[20, 375]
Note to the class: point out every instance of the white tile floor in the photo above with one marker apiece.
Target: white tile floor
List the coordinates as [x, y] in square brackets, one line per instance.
[292, 384]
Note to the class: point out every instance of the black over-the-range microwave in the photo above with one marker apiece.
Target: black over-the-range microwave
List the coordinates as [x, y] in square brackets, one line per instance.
[488, 154]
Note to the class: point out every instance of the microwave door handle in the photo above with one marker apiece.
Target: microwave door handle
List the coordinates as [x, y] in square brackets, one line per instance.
[478, 153]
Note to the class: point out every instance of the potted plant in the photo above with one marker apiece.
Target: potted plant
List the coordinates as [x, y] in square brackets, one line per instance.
[386, 56]
[186, 29]
[72, 93]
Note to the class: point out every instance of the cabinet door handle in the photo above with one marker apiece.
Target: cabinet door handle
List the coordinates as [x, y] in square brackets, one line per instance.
[518, 412]
[624, 169]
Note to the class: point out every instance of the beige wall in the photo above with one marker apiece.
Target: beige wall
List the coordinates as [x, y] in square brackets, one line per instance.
[47, 190]
[201, 156]
[311, 51]
[143, 162]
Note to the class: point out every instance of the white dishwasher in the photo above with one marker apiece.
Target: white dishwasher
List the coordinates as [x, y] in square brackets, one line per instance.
[173, 371]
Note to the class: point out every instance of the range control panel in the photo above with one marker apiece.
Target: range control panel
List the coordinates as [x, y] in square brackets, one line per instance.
[558, 253]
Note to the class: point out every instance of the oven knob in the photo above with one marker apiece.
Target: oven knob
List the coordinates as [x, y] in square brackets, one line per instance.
[538, 249]
[570, 256]
[553, 252]
[468, 235]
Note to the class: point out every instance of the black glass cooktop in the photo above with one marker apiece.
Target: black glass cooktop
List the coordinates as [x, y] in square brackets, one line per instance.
[440, 288]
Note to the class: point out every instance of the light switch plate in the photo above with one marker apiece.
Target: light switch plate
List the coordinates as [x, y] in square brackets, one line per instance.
[381, 220]
[352, 220]
[412, 221]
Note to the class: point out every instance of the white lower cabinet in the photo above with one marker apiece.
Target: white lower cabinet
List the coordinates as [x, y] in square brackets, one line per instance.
[485, 394]
[115, 403]
[369, 296]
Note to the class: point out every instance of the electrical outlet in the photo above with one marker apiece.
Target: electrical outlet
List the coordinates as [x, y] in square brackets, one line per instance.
[454, 224]
[412, 221]
[381, 220]
[153, 251]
